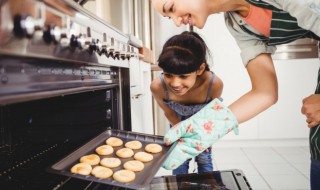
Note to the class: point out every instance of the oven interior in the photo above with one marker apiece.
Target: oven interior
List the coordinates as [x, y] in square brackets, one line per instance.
[35, 134]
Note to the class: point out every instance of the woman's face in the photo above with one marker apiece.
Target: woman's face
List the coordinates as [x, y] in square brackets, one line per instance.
[180, 84]
[193, 12]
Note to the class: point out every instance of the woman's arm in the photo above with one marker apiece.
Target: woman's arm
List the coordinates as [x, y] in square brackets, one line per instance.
[264, 91]
[159, 94]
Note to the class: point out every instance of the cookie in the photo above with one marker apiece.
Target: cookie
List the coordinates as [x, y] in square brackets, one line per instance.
[101, 172]
[135, 145]
[125, 153]
[124, 176]
[104, 150]
[143, 156]
[153, 148]
[81, 168]
[114, 141]
[134, 165]
[110, 162]
[91, 159]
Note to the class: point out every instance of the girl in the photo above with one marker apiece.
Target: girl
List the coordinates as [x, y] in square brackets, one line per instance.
[186, 86]
[257, 26]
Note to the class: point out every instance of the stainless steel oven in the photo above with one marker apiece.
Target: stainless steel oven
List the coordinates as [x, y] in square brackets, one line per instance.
[64, 78]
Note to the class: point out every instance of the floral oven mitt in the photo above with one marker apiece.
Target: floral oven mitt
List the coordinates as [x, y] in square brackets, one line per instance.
[199, 132]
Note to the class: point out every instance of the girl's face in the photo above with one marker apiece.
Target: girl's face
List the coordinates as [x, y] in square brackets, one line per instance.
[193, 12]
[180, 84]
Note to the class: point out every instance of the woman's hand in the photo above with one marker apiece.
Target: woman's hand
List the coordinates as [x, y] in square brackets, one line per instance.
[311, 109]
[197, 133]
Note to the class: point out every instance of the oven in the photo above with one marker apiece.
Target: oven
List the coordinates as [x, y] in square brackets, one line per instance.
[64, 79]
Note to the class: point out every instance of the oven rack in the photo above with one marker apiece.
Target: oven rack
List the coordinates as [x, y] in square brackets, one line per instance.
[18, 160]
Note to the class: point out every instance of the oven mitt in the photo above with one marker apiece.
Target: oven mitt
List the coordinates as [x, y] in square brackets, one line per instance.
[199, 132]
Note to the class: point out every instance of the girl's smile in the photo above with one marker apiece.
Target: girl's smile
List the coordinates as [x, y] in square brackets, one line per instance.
[180, 84]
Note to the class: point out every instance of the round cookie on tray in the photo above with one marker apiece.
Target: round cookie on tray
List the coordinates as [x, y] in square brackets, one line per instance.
[81, 168]
[101, 172]
[91, 159]
[104, 150]
[110, 162]
[114, 141]
[143, 156]
[133, 165]
[124, 176]
[125, 153]
[135, 145]
[153, 148]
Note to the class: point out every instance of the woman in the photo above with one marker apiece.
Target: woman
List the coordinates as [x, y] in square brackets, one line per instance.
[283, 21]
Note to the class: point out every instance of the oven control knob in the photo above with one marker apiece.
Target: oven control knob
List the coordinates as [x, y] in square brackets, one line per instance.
[123, 51]
[103, 49]
[52, 33]
[82, 42]
[87, 45]
[23, 25]
[111, 48]
[104, 45]
[74, 41]
[98, 46]
[95, 45]
[64, 41]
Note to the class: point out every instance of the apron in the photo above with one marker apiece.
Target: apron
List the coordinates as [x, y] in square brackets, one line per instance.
[284, 28]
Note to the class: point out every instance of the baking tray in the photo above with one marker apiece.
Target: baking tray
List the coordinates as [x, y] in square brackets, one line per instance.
[143, 178]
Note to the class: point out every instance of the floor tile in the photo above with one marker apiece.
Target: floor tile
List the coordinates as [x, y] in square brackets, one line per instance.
[290, 150]
[301, 158]
[229, 155]
[287, 182]
[259, 151]
[265, 158]
[247, 169]
[222, 159]
[276, 169]
[303, 167]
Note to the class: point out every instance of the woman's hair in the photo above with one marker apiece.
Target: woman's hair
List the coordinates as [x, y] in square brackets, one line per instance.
[184, 53]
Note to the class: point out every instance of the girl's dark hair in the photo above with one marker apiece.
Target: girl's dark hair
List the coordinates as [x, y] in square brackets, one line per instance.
[184, 53]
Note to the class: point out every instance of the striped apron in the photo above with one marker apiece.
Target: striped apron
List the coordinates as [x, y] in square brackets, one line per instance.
[284, 29]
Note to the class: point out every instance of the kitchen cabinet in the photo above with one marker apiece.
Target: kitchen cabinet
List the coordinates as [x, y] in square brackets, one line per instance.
[141, 98]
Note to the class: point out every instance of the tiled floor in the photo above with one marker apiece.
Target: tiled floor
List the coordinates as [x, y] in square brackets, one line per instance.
[266, 168]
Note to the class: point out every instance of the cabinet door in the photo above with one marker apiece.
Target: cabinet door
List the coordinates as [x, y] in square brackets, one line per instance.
[135, 77]
[141, 102]
[296, 79]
